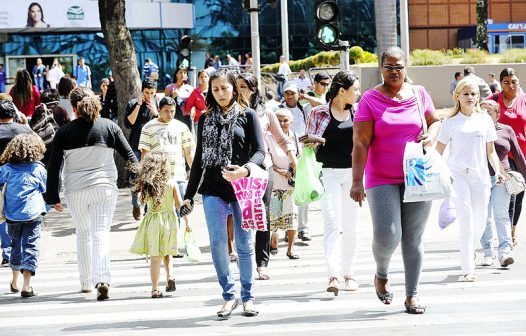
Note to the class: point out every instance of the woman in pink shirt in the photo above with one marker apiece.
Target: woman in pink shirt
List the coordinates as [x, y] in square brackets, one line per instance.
[388, 116]
[512, 102]
[25, 95]
[195, 105]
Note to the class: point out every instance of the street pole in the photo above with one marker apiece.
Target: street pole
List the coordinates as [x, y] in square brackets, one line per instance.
[284, 29]
[254, 29]
[404, 28]
[344, 56]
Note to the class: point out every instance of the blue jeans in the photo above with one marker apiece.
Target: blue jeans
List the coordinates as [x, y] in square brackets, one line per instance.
[135, 196]
[499, 203]
[39, 82]
[25, 242]
[5, 241]
[216, 212]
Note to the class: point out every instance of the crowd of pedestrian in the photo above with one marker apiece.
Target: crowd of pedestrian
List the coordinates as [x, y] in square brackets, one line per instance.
[202, 139]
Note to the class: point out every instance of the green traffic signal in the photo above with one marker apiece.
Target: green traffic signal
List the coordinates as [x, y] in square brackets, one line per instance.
[328, 34]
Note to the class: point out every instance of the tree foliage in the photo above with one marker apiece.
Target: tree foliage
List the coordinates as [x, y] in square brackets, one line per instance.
[482, 24]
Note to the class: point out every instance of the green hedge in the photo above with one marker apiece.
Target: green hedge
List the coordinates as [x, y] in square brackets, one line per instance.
[428, 57]
[474, 56]
[326, 59]
[514, 56]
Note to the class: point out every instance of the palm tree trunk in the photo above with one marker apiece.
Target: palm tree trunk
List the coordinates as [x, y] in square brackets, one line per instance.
[123, 62]
[386, 28]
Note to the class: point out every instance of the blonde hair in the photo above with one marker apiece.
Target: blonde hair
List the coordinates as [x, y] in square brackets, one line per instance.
[465, 82]
[26, 147]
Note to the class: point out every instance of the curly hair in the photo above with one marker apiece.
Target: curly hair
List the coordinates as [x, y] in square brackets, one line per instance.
[89, 108]
[152, 177]
[26, 147]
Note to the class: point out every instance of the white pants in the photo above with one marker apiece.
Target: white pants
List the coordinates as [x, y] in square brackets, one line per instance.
[340, 216]
[303, 218]
[472, 208]
[92, 211]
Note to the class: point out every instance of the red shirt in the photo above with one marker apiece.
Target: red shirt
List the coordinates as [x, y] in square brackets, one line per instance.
[197, 99]
[514, 116]
[29, 108]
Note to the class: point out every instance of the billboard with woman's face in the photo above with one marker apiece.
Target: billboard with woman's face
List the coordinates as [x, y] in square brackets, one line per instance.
[64, 15]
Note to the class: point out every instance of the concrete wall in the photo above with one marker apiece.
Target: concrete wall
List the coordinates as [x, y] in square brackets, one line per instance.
[436, 79]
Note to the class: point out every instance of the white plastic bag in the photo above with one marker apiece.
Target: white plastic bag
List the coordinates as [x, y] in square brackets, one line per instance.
[447, 214]
[426, 175]
[193, 252]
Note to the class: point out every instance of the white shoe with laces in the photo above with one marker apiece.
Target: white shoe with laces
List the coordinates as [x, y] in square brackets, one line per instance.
[350, 285]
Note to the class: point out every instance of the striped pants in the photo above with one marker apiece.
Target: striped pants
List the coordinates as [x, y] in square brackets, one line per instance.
[92, 211]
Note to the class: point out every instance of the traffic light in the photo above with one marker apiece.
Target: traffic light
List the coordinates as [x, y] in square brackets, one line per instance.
[327, 32]
[185, 51]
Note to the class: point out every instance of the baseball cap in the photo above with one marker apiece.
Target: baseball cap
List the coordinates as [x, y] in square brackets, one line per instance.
[291, 86]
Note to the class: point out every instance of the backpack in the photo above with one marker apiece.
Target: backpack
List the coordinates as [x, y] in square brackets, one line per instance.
[46, 126]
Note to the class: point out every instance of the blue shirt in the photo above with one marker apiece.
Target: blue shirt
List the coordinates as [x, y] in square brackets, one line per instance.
[2, 77]
[82, 75]
[23, 200]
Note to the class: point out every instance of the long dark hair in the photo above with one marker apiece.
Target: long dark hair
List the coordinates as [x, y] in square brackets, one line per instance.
[30, 22]
[23, 88]
[230, 76]
[256, 99]
[180, 68]
[342, 80]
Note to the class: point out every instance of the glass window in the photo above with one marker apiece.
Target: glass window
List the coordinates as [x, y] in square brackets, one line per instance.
[517, 41]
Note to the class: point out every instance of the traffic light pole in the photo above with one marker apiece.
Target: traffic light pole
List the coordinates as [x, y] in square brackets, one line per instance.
[254, 28]
[284, 29]
[344, 56]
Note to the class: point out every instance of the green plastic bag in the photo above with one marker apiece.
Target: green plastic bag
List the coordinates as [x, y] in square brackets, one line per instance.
[193, 252]
[308, 186]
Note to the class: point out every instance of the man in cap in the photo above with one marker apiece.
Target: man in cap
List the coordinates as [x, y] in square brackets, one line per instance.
[8, 130]
[299, 126]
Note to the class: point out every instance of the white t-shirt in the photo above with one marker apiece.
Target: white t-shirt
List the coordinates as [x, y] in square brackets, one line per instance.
[284, 69]
[54, 76]
[467, 138]
[303, 83]
[171, 138]
[298, 125]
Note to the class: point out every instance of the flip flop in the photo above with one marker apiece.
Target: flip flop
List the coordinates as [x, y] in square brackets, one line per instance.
[293, 256]
[274, 251]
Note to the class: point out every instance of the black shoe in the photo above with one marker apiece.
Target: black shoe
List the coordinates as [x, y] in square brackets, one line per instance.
[286, 237]
[102, 291]
[5, 263]
[305, 236]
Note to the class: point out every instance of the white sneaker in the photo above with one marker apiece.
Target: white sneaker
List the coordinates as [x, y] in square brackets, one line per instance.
[470, 277]
[506, 260]
[350, 285]
[487, 261]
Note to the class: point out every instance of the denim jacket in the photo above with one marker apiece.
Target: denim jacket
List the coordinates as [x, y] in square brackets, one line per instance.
[23, 200]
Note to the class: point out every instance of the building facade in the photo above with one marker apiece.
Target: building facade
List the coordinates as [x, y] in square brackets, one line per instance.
[440, 24]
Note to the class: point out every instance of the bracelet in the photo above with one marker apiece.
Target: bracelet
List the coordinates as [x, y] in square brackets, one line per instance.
[247, 168]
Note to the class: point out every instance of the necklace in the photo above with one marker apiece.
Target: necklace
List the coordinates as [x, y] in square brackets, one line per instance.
[508, 102]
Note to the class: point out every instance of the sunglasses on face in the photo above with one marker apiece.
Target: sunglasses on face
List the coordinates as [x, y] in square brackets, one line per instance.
[397, 68]
[325, 84]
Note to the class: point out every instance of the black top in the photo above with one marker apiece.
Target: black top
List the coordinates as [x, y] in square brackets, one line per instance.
[337, 151]
[247, 146]
[8, 131]
[109, 103]
[142, 118]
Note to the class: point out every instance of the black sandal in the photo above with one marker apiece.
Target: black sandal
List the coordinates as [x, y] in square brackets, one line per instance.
[13, 289]
[274, 250]
[414, 308]
[386, 297]
[27, 294]
[170, 285]
[156, 294]
[293, 256]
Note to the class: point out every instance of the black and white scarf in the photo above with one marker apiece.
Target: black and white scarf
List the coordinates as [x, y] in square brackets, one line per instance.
[217, 146]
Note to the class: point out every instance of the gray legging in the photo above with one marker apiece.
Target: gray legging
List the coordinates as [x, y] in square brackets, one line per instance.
[395, 221]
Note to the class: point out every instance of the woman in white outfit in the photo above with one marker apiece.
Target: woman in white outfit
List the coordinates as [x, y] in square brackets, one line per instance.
[471, 134]
[334, 122]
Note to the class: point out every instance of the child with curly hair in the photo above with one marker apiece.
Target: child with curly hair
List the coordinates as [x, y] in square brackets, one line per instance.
[24, 178]
[157, 233]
